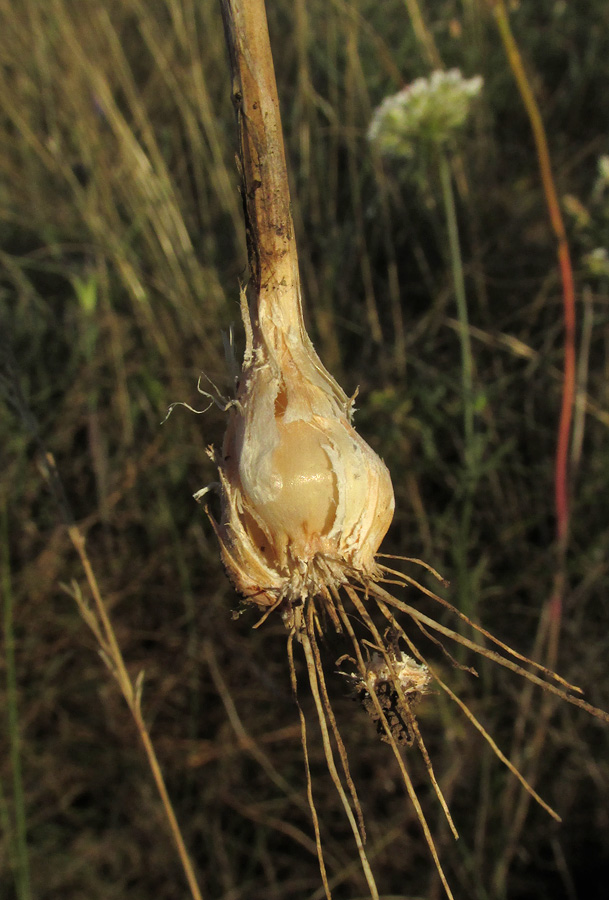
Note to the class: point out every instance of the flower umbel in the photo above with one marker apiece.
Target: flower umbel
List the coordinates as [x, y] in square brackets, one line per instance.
[430, 110]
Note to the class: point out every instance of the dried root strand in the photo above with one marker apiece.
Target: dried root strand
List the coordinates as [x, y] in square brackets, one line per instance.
[406, 579]
[380, 594]
[305, 751]
[417, 562]
[305, 635]
[468, 713]
[342, 752]
[396, 751]
[404, 704]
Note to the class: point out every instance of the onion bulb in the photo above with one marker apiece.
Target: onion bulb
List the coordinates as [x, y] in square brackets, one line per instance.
[306, 502]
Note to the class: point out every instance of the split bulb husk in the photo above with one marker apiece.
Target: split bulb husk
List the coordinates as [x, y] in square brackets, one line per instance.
[305, 501]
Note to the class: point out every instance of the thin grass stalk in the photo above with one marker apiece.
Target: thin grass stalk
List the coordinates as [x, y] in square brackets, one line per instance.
[22, 865]
[132, 692]
[244, 738]
[423, 34]
[353, 89]
[562, 480]
[525, 717]
[5, 817]
[467, 367]
[583, 365]
[467, 378]
[535, 746]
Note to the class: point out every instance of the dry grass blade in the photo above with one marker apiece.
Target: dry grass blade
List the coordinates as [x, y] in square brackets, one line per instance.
[245, 740]
[132, 694]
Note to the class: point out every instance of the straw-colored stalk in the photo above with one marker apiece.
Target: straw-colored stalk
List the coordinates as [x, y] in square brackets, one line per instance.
[305, 501]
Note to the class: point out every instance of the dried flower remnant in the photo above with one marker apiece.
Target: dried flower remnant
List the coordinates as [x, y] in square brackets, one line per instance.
[387, 677]
[427, 111]
[413, 677]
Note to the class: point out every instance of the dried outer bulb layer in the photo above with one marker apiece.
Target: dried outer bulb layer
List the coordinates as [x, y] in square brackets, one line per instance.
[305, 501]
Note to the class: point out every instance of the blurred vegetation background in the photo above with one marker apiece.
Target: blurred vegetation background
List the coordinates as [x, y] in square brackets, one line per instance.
[121, 250]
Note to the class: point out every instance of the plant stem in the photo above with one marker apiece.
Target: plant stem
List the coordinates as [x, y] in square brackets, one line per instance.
[271, 244]
[459, 285]
[551, 619]
[467, 382]
[132, 694]
[423, 34]
[561, 478]
[22, 876]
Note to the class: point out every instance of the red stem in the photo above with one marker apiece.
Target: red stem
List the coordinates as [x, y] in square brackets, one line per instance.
[561, 474]
[568, 397]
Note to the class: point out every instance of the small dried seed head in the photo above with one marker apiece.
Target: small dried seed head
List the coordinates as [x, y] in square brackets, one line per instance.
[389, 690]
[305, 501]
[413, 677]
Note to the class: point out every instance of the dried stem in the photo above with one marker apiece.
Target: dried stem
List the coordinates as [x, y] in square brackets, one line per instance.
[99, 622]
[271, 244]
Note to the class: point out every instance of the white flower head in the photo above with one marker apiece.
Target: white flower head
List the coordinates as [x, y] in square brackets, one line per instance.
[428, 111]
